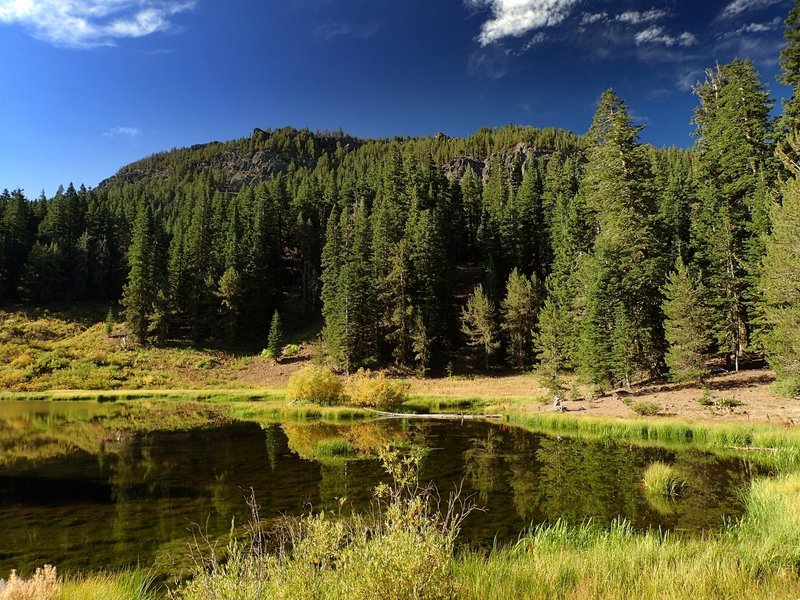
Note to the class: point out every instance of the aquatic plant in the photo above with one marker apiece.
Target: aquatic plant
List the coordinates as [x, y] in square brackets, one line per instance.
[662, 479]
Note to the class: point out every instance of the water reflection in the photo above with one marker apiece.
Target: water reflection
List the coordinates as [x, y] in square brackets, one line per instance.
[92, 505]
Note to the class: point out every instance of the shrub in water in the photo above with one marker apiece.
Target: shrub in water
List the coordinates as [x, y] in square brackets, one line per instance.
[366, 389]
[662, 479]
[317, 384]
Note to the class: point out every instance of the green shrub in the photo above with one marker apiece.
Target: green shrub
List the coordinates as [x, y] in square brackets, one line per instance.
[706, 399]
[787, 386]
[316, 384]
[727, 402]
[290, 350]
[645, 408]
[366, 389]
[267, 353]
[47, 363]
[662, 479]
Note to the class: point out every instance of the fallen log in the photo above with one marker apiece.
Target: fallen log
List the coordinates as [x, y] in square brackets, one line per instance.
[440, 416]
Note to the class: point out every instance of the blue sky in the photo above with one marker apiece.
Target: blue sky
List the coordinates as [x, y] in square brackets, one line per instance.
[90, 85]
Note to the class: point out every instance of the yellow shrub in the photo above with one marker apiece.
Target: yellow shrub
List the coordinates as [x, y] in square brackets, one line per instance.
[21, 361]
[366, 389]
[315, 384]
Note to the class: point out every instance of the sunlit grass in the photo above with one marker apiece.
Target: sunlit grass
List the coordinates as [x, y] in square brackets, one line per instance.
[661, 479]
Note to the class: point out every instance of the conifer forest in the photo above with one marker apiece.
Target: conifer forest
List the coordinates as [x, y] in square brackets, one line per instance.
[591, 254]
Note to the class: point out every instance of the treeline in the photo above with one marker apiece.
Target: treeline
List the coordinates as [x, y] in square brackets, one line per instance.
[538, 248]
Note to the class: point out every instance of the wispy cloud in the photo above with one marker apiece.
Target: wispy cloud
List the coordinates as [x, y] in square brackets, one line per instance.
[92, 23]
[515, 18]
[490, 63]
[590, 18]
[738, 7]
[131, 132]
[657, 35]
[635, 17]
[757, 27]
[335, 29]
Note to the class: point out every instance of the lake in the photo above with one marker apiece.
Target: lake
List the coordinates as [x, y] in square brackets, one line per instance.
[71, 497]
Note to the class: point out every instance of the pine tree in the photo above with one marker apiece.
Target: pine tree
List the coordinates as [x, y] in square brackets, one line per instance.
[790, 76]
[621, 316]
[520, 309]
[140, 294]
[477, 323]
[229, 293]
[686, 325]
[275, 338]
[733, 159]
[108, 325]
[552, 342]
[780, 284]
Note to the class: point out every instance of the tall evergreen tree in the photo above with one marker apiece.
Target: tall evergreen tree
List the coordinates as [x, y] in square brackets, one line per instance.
[275, 337]
[733, 165]
[520, 310]
[780, 283]
[686, 325]
[478, 324]
[620, 327]
[141, 295]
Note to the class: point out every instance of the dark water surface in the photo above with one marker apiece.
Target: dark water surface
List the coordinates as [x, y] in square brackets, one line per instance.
[70, 501]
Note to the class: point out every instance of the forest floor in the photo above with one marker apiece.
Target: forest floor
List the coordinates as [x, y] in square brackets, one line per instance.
[47, 351]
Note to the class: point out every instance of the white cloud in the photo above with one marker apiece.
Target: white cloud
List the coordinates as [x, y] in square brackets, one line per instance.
[537, 39]
[590, 18]
[739, 6]
[131, 132]
[759, 27]
[635, 17]
[515, 18]
[91, 23]
[657, 35]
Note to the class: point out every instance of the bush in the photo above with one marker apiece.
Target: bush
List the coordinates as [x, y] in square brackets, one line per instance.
[22, 361]
[366, 389]
[49, 362]
[645, 408]
[315, 384]
[788, 387]
[290, 350]
[267, 353]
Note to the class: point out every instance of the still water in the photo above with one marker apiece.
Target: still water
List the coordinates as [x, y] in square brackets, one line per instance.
[71, 497]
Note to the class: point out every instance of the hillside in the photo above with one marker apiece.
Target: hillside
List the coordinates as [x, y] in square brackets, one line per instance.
[267, 153]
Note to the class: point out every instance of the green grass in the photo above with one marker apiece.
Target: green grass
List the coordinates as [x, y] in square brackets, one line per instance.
[668, 432]
[662, 479]
[441, 404]
[587, 562]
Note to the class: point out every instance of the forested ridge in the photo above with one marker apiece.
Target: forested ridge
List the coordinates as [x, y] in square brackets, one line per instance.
[592, 254]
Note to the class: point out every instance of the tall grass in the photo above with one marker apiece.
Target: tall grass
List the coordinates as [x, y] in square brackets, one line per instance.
[587, 562]
[667, 432]
[662, 479]
[46, 584]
